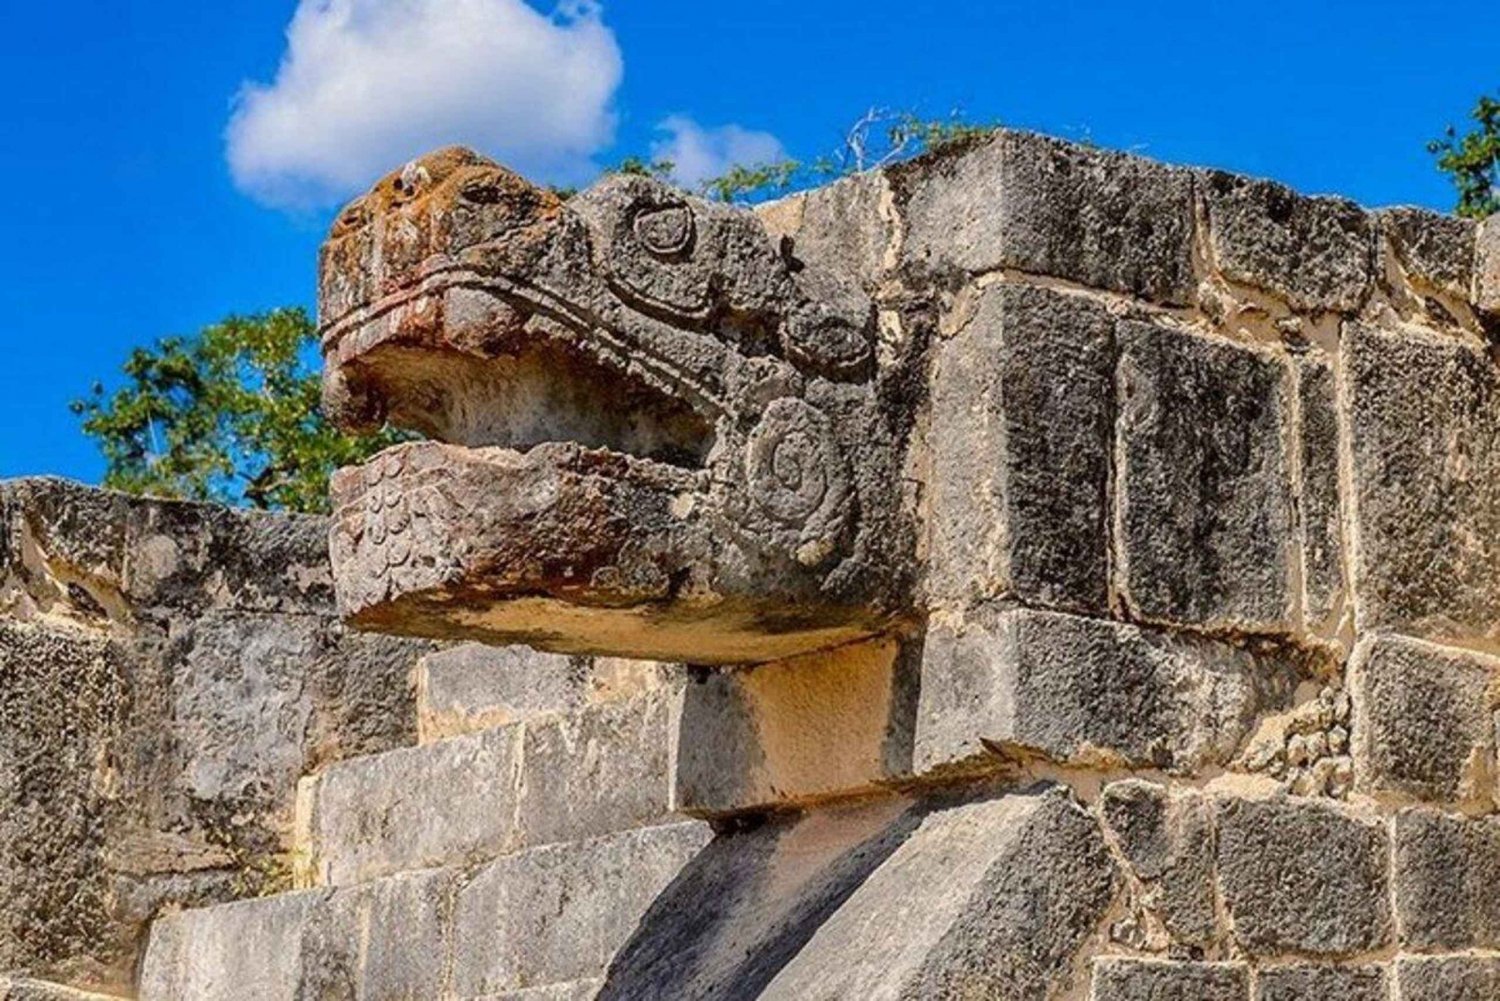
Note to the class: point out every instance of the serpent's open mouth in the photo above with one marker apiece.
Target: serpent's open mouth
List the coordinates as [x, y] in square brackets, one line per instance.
[469, 366]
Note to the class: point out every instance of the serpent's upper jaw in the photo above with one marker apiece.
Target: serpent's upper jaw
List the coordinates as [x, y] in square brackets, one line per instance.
[660, 433]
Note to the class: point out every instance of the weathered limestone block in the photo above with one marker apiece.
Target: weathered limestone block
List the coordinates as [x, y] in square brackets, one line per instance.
[1154, 980]
[753, 897]
[237, 688]
[61, 713]
[250, 949]
[62, 551]
[1167, 840]
[1088, 692]
[1303, 876]
[1039, 205]
[1424, 720]
[1448, 978]
[189, 557]
[1022, 403]
[1424, 413]
[607, 768]
[558, 914]
[793, 731]
[411, 808]
[470, 798]
[378, 942]
[844, 227]
[1436, 251]
[36, 990]
[472, 687]
[1206, 505]
[1487, 267]
[1319, 504]
[1321, 983]
[1314, 253]
[382, 940]
[1447, 881]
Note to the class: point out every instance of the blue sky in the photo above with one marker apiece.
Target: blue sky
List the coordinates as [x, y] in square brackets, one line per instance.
[126, 221]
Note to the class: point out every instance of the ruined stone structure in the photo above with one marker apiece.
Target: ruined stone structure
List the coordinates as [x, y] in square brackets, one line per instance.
[1089, 571]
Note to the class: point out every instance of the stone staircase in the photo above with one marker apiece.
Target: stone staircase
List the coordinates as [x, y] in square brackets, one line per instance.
[508, 855]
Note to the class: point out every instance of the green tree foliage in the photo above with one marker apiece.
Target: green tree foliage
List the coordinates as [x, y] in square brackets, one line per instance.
[1472, 160]
[230, 414]
[879, 138]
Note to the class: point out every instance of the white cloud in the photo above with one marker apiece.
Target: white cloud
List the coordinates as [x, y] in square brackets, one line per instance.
[367, 84]
[699, 154]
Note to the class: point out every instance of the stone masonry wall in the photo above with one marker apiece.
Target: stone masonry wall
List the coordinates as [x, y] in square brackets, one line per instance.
[1197, 699]
[1211, 483]
[167, 673]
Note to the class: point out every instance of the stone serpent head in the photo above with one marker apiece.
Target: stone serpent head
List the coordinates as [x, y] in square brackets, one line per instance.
[655, 430]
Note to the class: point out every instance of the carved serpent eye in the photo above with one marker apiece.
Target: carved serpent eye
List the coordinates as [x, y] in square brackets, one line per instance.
[666, 232]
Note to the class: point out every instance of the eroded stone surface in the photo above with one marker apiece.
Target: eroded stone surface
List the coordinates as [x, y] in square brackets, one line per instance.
[1446, 871]
[1206, 505]
[1436, 250]
[1302, 876]
[546, 920]
[379, 940]
[1138, 980]
[844, 227]
[559, 914]
[1424, 416]
[827, 724]
[1448, 978]
[60, 703]
[1088, 692]
[1167, 841]
[1425, 720]
[1319, 498]
[175, 668]
[222, 954]
[1321, 983]
[1487, 265]
[413, 808]
[472, 687]
[1316, 253]
[1022, 404]
[1040, 205]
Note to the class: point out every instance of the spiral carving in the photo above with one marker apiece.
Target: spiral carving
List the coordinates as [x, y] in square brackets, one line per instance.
[796, 472]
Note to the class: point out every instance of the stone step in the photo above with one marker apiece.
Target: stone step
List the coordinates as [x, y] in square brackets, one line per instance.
[463, 800]
[473, 687]
[539, 925]
[989, 897]
[14, 989]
